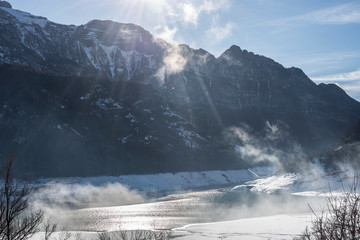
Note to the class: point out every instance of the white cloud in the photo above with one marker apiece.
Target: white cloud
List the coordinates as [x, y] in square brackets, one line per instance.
[352, 89]
[340, 77]
[349, 82]
[217, 33]
[342, 14]
[190, 14]
[317, 64]
[166, 33]
[179, 14]
[355, 87]
[211, 6]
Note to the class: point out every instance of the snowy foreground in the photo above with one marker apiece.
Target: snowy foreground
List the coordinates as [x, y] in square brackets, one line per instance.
[278, 227]
[259, 180]
[271, 227]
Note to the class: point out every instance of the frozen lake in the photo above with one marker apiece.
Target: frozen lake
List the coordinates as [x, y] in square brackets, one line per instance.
[179, 209]
[278, 203]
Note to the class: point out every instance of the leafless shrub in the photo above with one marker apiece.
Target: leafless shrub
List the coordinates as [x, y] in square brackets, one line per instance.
[339, 219]
[16, 221]
[136, 235]
[64, 235]
[48, 228]
[104, 236]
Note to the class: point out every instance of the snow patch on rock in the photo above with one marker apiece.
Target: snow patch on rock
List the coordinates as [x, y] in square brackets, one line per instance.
[108, 104]
[26, 18]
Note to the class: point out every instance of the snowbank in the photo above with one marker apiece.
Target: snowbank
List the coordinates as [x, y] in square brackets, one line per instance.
[277, 227]
[272, 227]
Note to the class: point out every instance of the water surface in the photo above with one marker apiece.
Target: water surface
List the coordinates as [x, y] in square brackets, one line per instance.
[176, 210]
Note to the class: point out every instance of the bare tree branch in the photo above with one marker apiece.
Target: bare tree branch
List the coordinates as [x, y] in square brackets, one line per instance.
[339, 220]
[16, 221]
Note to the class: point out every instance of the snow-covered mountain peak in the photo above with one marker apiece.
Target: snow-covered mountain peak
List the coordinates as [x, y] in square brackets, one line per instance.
[24, 17]
[105, 48]
[112, 32]
[106, 25]
[238, 57]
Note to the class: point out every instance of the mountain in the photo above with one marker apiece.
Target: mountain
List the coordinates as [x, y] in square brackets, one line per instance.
[347, 154]
[101, 48]
[352, 135]
[109, 98]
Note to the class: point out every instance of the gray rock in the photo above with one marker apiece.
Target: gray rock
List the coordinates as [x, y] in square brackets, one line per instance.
[5, 4]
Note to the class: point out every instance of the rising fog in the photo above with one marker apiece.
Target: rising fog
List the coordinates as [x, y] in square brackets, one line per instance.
[56, 199]
[273, 148]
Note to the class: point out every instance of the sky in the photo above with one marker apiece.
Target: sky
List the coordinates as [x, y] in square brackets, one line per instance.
[321, 37]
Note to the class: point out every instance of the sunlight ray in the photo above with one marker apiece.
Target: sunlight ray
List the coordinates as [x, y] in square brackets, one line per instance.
[208, 98]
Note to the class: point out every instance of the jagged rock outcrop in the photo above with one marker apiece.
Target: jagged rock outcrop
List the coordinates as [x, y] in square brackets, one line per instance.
[5, 4]
[98, 48]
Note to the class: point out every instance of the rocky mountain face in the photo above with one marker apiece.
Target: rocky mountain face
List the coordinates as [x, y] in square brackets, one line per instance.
[98, 48]
[347, 154]
[352, 135]
[109, 98]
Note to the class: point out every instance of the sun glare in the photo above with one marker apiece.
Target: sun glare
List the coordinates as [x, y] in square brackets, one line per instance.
[135, 11]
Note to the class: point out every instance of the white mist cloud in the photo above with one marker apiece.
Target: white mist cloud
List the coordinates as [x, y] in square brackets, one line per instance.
[56, 198]
[166, 33]
[254, 205]
[173, 62]
[179, 14]
[342, 14]
[190, 12]
[278, 131]
[257, 154]
[250, 148]
[275, 146]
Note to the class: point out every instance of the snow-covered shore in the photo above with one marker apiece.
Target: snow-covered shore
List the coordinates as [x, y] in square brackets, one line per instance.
[260, 180]
[167, 181]
[277, 227]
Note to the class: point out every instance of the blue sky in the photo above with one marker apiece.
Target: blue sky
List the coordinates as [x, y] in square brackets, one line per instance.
[321, 37]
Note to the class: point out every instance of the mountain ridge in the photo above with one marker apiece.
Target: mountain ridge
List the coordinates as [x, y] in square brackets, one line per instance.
[114, 98]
